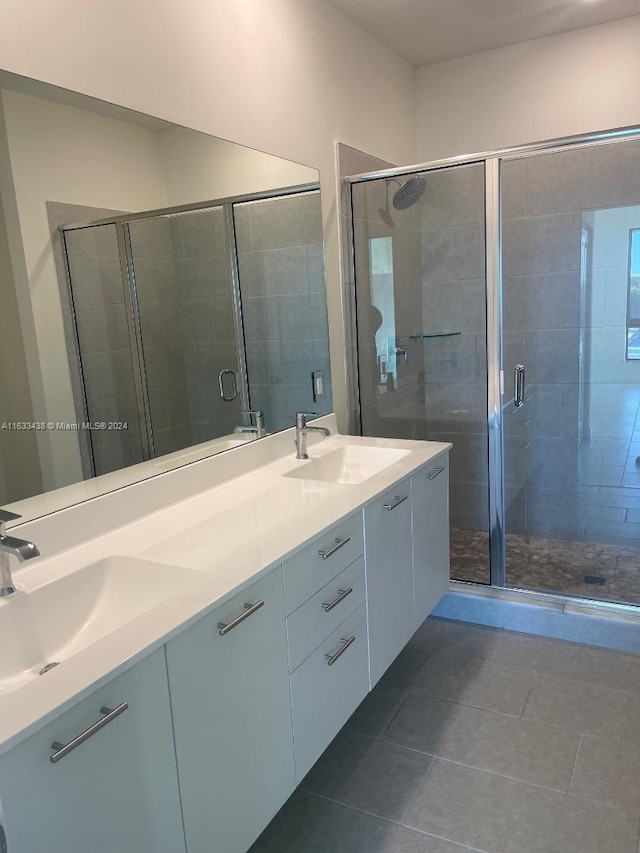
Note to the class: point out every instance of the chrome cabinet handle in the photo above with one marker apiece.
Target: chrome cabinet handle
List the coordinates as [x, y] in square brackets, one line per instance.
[346, 642]
[342, 594]
[396, 502]
[249, 610]
[325, 554]
[234, 392]
[518, 385]
[63, 749]
[436, 471]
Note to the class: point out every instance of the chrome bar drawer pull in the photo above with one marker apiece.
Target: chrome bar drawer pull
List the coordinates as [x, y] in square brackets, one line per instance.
[342, 594]
[249, 610]
[399, 499]
[346, 642]
[63, 749]
[336, 547]
[433, 474]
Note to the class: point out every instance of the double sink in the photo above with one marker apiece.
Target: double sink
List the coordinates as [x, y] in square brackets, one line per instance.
[50, 620]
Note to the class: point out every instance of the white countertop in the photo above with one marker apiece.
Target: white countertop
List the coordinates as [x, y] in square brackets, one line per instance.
[233, 533]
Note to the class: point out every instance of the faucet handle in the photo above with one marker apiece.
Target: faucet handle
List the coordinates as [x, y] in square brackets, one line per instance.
[5, 516]
[251, 412]
[301, 419]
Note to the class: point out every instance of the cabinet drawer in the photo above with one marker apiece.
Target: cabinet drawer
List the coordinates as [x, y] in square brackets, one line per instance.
[309, 570]
[325, 691]
[323, 612]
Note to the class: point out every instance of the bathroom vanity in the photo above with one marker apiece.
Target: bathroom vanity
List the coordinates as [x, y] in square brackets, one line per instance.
[210, 651]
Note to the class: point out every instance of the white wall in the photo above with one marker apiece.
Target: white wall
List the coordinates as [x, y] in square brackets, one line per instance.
[573, 83]
[284, 76]
[19, 463]
[199, 167]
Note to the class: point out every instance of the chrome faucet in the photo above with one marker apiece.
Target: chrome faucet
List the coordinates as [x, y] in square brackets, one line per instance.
[19, 548]
[301, 433]
[259, 428]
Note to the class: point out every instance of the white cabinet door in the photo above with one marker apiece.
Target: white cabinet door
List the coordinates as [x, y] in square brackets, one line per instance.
[430, 489]
[232, 719]
[116, 792]
[389, 571]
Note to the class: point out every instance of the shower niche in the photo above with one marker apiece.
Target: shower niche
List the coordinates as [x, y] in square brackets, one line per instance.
[179, 323]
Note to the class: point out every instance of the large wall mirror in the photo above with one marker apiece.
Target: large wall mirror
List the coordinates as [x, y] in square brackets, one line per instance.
[158, 284]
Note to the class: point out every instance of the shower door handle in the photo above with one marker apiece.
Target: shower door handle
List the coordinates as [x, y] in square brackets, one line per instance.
[234, 385]
[518, 386]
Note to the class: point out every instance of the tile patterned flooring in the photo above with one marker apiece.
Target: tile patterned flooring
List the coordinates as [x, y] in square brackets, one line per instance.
[479, 740]
[552, 565]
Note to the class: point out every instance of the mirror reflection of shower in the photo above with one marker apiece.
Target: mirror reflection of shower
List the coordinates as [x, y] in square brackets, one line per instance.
[179, 322]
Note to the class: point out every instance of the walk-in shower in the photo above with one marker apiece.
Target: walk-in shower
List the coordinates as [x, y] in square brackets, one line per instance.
[501, 312]
[180, 321]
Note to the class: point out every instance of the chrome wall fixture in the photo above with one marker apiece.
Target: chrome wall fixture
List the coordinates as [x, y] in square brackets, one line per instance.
[491, 161]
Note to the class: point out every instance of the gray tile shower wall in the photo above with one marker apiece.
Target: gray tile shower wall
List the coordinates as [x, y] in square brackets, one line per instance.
[103, 336]
[152, 248]
[281, 267]
[205, 319]
[388, 306]
[455, 368]
[553, 310]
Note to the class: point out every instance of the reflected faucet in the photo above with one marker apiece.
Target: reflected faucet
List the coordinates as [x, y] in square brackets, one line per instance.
[11, 545]
[301, 433]
[259, 428]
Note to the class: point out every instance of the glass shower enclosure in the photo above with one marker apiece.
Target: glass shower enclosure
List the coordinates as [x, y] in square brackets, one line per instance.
[499, 309]
[169, 313]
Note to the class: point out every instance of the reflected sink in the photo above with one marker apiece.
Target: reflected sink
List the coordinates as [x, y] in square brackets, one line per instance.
[350, 464]
[50, 622]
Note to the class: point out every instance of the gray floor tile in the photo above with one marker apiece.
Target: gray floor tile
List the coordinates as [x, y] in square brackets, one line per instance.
[309, 824]
[573, 660]
[511, 747]
[471, 681]
[608, 770]
[492, 813]
[583, 708]
[436, 634]
[368, 774]
[375, 713]
[405, 668]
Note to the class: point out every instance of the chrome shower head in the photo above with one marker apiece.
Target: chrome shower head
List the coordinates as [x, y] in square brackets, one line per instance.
[409, 193]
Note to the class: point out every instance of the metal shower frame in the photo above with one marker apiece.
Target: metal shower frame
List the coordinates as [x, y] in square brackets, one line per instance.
[491, 161]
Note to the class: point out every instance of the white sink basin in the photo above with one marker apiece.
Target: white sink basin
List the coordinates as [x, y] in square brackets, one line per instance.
[350, 464]
[50, 622]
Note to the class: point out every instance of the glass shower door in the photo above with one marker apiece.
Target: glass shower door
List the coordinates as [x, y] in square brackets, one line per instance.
[100, 351]
[570, 279]
[421, 316]
[185, 301]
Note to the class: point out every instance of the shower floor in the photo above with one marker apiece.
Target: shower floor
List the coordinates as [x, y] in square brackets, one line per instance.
[552, 565]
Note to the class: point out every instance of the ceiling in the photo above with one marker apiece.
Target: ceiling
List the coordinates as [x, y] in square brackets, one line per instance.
[426, 31]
